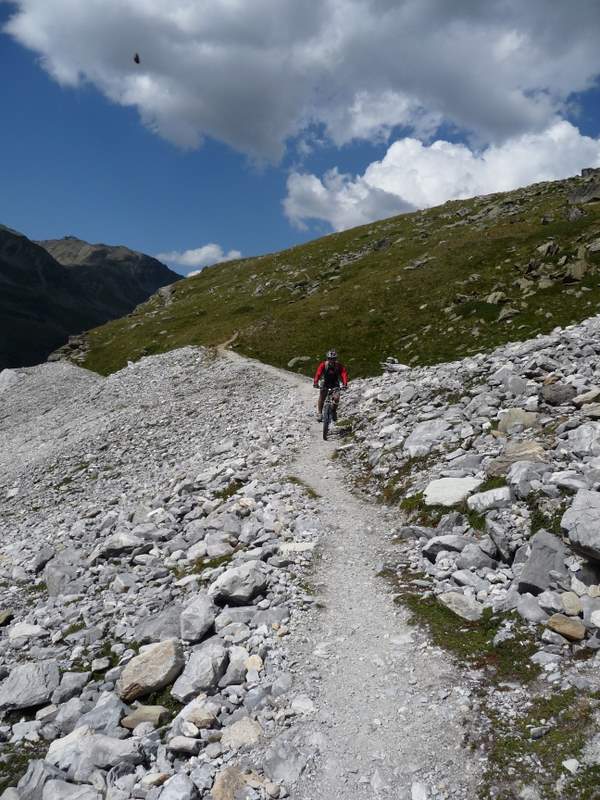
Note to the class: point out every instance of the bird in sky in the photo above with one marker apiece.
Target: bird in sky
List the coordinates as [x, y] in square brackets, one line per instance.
[136, 58]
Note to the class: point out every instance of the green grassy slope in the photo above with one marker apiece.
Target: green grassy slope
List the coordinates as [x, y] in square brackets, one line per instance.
[423, 287]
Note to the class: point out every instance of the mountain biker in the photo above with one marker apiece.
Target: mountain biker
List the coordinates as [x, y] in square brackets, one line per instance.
[330, 373]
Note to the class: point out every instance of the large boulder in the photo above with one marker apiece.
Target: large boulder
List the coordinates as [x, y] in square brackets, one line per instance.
[558, 394]
[244, 732]
[61, 573]
[29, 685]
[587, 193]
[521, 476]
[493, 498]
[585, 440]
[462, 605]
[450, 491]
[179, 787]
[501, 538]
[117, 545]
[450, 541]
[106, 715]
[514, 417]
[158, 627]
[197, 618]
[81, 752]
[513, 452]
[61, 790]
[547, 555]
[569, 627]
[203, 671]
[425, 436]
[582, 523]
[239, 585]
[156, 667]
[32, 783]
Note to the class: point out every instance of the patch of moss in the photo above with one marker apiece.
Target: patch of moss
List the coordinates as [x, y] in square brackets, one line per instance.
[422, 514]
[414, 504]
[75, 627]
[307, 587]
[476, 520]
[202, 564]
[33, 588]
[212, 563]
[492, 483]
[394, 490]
[106, 652]
[163, 697]
[516, 759]
[472, 642]
[586, 784]
[308, 489]
[542, 518]
[229, 490]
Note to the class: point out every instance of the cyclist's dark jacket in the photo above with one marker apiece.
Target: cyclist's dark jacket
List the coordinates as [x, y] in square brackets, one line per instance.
[332, 374]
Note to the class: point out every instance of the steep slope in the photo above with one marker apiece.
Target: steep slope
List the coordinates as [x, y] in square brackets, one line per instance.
[424, 287]
[42, 301]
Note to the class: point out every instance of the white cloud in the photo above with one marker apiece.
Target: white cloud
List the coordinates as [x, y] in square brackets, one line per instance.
[253, 74]
[199, 257]
[338, 199]
[413, 175]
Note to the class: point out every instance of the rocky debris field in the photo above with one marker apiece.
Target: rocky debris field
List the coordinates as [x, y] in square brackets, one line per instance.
[193, 604]
[152, 551]
[495, 463]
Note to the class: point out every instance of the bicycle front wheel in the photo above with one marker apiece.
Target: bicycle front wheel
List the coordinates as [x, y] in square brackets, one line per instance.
[326, 420]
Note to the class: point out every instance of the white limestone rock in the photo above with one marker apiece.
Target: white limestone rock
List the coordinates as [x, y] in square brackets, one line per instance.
[450, 491]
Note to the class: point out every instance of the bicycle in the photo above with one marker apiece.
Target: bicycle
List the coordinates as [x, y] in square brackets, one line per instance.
[330, 409]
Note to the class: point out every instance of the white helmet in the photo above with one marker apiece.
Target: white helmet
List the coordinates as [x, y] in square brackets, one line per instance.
[332, 354]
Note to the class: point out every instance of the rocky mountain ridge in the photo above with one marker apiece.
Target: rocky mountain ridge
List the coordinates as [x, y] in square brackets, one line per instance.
[49, 290]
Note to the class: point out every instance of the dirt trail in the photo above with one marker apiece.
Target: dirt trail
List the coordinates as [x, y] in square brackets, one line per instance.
[389, 707]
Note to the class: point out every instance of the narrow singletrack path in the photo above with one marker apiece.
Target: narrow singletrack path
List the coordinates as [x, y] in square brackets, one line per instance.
[389, 708]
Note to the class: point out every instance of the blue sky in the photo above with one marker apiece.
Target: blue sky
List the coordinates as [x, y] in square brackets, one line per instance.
[296, 140]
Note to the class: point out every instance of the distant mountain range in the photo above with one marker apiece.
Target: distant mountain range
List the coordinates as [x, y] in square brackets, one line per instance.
[55, 288]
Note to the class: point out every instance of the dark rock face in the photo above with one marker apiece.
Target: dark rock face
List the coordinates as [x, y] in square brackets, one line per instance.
[52, 289]
[589, 193]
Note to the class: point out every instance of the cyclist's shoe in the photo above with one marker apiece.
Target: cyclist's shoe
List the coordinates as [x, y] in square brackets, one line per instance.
[319, 417]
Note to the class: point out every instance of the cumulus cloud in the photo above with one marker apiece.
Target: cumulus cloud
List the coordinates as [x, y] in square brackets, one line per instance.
[254, 74]
[199, 257]
[414, 175]
[338, 199]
